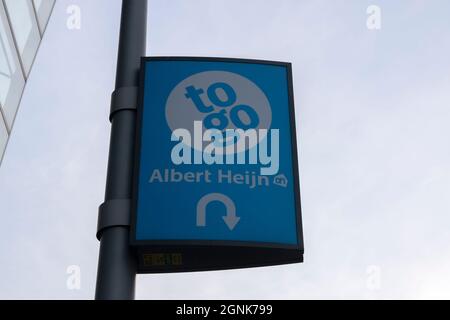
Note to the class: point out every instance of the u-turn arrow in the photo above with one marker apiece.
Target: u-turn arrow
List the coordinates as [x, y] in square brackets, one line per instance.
[230, 219]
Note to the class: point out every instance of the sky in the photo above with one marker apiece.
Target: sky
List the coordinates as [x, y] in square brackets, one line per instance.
[372, 108]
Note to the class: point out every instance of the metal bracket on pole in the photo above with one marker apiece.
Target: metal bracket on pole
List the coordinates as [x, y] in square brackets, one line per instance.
[113, 213]
[125, 98]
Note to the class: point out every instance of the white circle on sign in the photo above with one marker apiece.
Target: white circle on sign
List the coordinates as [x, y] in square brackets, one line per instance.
[205, 95]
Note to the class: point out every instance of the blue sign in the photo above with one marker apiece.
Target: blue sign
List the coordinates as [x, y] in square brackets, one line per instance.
[217, 157]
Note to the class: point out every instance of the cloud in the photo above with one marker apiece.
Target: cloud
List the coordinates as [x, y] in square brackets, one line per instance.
[372, 113]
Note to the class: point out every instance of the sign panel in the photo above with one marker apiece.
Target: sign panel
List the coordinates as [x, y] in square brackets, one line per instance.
[216, 177]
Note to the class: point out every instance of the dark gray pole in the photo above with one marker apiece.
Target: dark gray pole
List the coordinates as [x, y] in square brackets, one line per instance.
[117, 265]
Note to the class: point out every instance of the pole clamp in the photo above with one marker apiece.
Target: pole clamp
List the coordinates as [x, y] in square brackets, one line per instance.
[113, 213]
[125, 98]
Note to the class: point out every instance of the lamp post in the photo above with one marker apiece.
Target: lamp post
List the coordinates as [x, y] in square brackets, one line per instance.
[117, 265]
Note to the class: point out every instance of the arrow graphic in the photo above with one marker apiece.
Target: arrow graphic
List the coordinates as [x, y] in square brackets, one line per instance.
[230, 219]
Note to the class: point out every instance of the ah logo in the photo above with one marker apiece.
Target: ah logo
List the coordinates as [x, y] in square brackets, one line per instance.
[281, 181]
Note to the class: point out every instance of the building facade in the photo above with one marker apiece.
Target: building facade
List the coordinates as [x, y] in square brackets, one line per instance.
[22, 26]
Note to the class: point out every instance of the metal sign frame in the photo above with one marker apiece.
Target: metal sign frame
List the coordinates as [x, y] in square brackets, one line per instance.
[205, 255]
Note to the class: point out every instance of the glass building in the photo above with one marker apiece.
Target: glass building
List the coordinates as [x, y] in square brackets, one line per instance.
[22, 26]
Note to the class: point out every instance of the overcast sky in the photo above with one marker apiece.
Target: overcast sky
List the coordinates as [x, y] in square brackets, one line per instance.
[373, 114]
